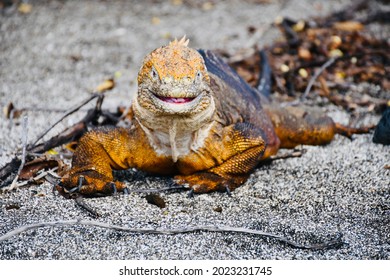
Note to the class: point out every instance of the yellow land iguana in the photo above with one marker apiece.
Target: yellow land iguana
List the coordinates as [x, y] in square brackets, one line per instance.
[195, 118]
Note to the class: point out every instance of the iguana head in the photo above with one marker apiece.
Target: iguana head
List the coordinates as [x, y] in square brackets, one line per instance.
[173, 80]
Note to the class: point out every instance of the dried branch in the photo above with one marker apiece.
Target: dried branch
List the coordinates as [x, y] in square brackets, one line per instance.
[334, 243]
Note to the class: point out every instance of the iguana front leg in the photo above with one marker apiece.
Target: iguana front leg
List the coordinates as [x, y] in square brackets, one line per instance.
[242, 147]
[98, 153]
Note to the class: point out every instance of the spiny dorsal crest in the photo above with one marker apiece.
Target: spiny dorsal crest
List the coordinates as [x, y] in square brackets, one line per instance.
[182, 42]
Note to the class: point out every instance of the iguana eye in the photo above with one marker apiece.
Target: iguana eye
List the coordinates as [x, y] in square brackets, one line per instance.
[198, 75]
[154, 74]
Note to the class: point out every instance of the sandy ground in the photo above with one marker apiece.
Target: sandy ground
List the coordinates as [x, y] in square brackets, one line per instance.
[51, 57]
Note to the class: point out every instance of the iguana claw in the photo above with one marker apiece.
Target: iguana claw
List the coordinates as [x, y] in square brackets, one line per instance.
[113, 188]
[190, 193]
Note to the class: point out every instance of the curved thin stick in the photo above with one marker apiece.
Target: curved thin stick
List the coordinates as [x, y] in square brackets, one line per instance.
[316, 75]
[69, 112]
[24, 143]
[335, 243]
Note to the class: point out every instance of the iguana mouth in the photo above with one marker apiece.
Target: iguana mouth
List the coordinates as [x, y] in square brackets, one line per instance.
[175, 100]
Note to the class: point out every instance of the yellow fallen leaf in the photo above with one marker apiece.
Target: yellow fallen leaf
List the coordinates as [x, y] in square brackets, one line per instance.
[299, 26]
[156, 20]
[348, 26]
[177, 2]
[303, 73]
[340, 75]
[167, 35]
[25, 8]
[284, 68]
[304, 53]
[207, 6]
[52, 152]
[118, 74]
[278, 20]
[335, 42]
[106, 85]
[335, 53]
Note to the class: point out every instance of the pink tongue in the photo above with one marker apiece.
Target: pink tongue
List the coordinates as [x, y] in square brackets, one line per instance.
[175, 100]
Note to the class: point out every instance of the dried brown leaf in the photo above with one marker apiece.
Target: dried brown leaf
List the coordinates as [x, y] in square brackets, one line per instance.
[31, 168]
[10, 112]
[155, 199]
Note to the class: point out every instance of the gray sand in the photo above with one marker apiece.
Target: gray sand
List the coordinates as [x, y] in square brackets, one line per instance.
[53, 56]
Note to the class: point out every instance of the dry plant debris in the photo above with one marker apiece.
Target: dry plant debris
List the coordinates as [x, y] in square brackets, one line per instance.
[333, 53]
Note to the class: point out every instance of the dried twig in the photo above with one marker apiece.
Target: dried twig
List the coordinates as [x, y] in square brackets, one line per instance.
[65, 136]
[348, 13]
[290, 34]
[7, 170]
[335, 243]
[81, 202]
[68, 113]
[23, 160]
[264, 82]
[71, 133]
[41, 175]
[170, 188]
[294, 153]
[316, 75]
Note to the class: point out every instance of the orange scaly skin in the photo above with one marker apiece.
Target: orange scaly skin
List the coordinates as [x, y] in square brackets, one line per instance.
[194, 118]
